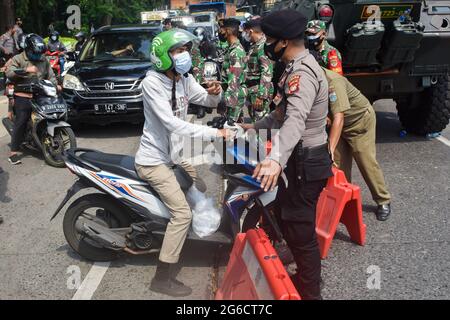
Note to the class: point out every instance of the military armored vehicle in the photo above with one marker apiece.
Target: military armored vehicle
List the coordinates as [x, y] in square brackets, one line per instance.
[392, 49]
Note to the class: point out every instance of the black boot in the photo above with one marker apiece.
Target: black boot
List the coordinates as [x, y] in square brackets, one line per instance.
[164, 282]
[383, 212]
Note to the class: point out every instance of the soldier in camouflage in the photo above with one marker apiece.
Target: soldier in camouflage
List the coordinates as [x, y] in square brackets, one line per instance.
[317, 40]
[234, 69]
[197, 59]
[259, 72]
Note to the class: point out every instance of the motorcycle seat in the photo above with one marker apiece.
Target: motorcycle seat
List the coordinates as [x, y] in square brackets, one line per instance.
[123, 166]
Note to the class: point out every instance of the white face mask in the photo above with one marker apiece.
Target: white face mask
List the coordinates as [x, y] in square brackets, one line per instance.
[200, 37]
[183, 62]
[54, 38]
[246, 37]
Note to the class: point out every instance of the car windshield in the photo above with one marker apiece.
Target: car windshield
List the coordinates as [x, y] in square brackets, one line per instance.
[121, 46]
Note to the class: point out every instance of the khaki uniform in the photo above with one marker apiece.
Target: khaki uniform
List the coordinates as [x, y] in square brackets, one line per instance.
[358, 135]
[163, 180]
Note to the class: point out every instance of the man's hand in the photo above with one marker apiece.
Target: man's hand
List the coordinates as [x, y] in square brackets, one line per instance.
[59, 88]
[258, 104]
[246, 126]
[10, 115]
[32, 69]
[268, 172]
[226, 134]
[213, 88]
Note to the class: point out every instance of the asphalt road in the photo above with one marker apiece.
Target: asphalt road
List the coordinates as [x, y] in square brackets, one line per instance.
[410, 251]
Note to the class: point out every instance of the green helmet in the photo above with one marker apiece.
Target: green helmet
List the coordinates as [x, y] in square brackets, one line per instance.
[163, 43]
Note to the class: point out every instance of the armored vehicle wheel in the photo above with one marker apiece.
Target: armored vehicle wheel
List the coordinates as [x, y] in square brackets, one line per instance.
[428, 111]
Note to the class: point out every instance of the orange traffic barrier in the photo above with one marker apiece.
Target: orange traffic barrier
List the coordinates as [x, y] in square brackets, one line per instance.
[255, 272]
[340, 201]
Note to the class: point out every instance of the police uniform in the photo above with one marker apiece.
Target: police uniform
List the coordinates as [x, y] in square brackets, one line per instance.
[358, 135]
[300, 147]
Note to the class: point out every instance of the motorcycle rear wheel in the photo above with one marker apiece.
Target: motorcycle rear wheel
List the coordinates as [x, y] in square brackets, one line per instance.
[53, 147]
[112, 215]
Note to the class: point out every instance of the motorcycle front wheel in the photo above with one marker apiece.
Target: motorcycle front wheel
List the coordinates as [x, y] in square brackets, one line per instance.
[54, 147]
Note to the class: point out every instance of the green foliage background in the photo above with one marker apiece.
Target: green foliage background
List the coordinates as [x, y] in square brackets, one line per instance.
[39, 14]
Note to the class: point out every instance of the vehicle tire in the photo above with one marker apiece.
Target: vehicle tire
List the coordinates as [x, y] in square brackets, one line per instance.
[53, 147]
[113, 215]
[428, 111]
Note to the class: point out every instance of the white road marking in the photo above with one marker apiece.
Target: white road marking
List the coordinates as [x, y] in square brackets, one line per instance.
[92, 281]
[444, 140]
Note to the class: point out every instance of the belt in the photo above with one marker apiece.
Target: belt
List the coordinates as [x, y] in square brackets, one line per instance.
[252, 83]
[310, 152]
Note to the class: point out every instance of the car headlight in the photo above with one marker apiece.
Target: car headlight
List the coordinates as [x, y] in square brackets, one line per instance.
[73, 83]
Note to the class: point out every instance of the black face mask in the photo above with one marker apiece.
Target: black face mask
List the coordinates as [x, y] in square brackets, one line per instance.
[269, 50]
[222, 37]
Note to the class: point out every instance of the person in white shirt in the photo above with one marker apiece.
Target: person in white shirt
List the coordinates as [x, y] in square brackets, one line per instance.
[168, 90]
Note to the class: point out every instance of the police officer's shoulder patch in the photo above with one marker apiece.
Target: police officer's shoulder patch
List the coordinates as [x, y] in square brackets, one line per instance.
[294, 84]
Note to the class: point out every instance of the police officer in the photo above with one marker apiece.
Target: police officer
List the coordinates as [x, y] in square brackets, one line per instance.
[8, 43]
[259, 71]
[233, 68]
[300, 146]
[81, 40]
[316, 33]
[352, 136]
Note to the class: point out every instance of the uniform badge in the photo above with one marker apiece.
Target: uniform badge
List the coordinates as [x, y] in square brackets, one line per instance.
[334, 62]
[294, 84]
[333, 96]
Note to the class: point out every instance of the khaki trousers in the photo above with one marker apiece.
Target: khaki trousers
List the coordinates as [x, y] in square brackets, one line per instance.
[358, 142]
[162, 179]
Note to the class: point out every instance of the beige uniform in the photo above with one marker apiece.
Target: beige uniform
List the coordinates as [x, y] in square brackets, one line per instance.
[358, 135]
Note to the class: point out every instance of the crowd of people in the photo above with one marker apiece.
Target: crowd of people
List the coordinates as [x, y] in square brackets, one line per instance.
[290, 78]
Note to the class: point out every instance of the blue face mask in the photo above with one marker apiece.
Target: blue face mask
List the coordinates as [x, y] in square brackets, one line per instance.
[183, 62]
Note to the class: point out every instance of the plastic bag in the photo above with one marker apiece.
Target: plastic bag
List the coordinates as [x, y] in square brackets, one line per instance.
[206, 218]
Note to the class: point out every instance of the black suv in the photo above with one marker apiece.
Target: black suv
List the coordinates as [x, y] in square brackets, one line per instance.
[104, 85]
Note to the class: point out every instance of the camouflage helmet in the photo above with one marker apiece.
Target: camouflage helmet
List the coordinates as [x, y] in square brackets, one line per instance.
[315, 26]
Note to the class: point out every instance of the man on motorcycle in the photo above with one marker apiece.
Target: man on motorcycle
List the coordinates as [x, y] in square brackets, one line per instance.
[24, 68]
[168, 90]
[81, 40]
[55, 45]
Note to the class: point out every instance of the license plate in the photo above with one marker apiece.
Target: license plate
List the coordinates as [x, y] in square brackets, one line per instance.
[52, 108]
[110, 108]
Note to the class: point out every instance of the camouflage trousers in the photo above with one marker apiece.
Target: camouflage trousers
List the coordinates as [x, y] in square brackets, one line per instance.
[256, 115]
[237, 104]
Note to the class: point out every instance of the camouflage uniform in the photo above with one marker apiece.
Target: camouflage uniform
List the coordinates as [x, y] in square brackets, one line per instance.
[197, 64]
[331, 57]
[233, 68]
[259, 79]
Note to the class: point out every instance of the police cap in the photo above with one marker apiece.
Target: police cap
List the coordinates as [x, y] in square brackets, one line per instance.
[284, 24]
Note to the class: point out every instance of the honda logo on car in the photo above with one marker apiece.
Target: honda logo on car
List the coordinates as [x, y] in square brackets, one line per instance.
[109, 86]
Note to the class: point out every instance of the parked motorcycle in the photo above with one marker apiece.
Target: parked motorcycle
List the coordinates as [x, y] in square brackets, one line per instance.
[127, 215]
[47, 131]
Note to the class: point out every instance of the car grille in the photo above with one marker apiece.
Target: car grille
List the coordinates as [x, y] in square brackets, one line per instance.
[125, 89]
